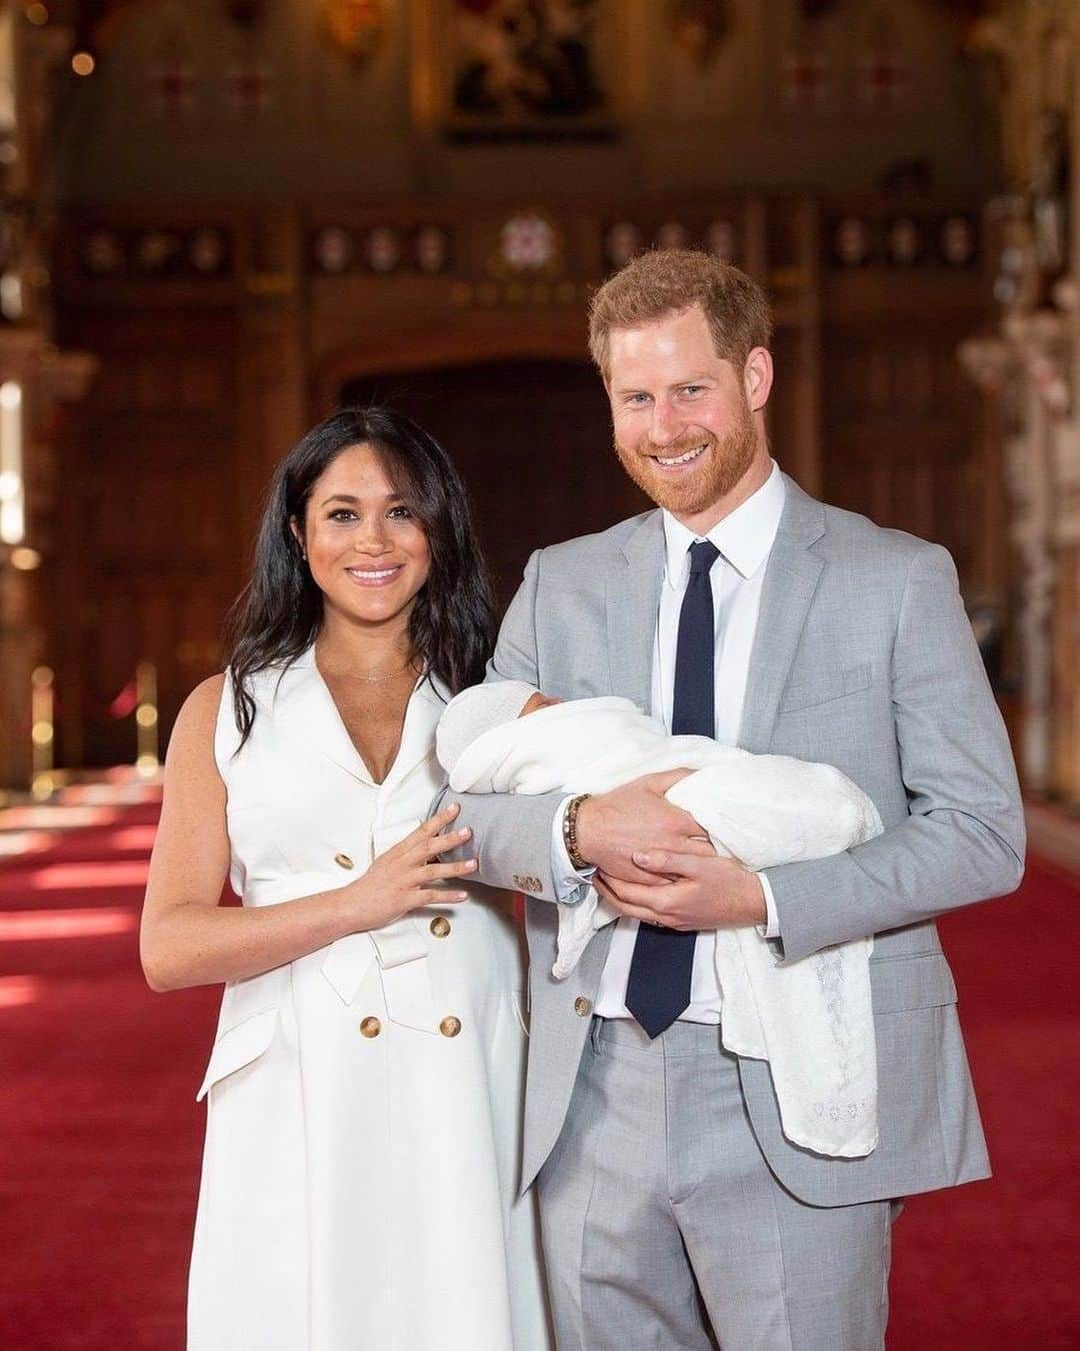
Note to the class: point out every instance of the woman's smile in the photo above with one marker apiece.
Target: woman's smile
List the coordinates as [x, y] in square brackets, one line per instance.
[363, 575]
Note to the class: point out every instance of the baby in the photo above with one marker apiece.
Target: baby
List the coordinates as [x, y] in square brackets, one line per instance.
[811, 1020]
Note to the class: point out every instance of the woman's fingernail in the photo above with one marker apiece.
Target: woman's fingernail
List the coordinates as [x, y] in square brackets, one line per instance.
[640, 858]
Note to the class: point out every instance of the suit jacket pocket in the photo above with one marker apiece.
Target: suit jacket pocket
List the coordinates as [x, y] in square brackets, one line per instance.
[918, 982]
[826, 687]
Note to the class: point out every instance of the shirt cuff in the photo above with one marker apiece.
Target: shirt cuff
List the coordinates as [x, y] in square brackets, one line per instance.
[570, 885]
[771, 927]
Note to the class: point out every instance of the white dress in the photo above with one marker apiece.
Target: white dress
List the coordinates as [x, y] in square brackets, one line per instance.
[360, 1174]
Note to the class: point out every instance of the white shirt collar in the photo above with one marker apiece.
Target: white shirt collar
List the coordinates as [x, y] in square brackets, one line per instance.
[745, 537]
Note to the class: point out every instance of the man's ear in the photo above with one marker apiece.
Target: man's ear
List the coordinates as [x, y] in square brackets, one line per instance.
[758, 378]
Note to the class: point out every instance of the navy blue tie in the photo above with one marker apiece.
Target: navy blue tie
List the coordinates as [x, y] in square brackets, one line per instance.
[663, 962]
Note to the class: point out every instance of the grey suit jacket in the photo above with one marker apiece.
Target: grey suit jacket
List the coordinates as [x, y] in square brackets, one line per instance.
[863, 659]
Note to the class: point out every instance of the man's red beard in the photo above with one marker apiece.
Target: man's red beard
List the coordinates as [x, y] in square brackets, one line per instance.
[721, 465]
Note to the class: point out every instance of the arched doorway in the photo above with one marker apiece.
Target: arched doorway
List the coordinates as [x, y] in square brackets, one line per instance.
[533, 439]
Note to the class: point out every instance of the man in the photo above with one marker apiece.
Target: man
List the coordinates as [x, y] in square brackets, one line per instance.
[675, 1212]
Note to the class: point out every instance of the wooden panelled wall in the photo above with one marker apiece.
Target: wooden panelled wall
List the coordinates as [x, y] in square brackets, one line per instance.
[901, 419]
[221, 335]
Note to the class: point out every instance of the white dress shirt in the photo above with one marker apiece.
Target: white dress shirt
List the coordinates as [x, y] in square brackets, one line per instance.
[744, 539]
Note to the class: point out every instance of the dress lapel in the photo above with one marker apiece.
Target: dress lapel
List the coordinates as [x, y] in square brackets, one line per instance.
[305, 708]
[791, 578]
[633, 598]
[314, 721]
[426, 704]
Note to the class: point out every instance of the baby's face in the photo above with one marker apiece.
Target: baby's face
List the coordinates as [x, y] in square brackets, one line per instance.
[536, 701]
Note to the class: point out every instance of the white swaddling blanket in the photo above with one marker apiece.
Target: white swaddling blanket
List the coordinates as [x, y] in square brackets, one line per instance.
[811, 1020]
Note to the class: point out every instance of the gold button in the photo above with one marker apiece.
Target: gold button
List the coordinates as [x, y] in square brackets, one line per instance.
[344, 861]
[370, 1027]
[440, 926]
[582, 1007]
[450, 1027]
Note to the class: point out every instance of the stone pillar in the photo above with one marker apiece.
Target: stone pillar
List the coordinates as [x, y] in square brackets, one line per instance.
[1035, 365]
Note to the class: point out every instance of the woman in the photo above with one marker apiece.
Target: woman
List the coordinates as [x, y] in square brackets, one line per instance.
[360, 1169]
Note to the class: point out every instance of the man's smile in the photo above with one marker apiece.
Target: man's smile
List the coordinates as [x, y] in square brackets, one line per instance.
[678, 461]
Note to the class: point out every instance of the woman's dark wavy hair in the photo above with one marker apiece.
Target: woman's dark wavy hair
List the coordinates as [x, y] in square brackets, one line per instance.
[280, 611]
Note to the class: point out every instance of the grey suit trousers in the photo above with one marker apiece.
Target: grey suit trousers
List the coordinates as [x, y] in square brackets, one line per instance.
[664, 1227]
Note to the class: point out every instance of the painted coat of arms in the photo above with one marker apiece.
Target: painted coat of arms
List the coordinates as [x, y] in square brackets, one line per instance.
[528, 67]
[357, 27]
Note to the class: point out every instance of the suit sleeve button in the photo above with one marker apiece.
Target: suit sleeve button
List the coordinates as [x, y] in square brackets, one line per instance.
[450, 1027]
[370, 1027]
[344, 861]
[440, 926]
[582, 1007]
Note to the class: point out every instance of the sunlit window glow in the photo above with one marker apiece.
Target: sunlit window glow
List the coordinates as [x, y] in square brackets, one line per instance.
[133, 837]
[16, 843]
[24, 559]
[85, 876]
[12, 499]
[18, 926]
[11, 296]
[7, 70]
[16, 990]
[57, 818]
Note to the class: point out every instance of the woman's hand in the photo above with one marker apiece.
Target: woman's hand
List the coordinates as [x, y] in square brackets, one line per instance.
[406, 876]
[188, 938]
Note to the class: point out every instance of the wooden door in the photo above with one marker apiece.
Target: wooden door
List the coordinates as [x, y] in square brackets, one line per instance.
[149, 524]
[533, 441]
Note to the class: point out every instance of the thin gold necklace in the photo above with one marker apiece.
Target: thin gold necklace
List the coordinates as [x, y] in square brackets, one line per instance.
[380, 679]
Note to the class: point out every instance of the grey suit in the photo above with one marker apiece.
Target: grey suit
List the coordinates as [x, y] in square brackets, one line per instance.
[863, 659]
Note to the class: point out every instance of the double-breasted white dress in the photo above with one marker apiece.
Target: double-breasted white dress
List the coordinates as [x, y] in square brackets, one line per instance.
[359, 1183]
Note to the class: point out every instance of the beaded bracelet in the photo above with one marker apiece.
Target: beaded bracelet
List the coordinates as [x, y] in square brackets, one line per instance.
[569, 831]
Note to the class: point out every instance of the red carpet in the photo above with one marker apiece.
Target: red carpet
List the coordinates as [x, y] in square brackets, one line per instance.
[100, 1136]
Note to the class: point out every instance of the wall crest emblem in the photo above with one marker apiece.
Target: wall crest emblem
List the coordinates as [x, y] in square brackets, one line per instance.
[357, 27]
[700, 27]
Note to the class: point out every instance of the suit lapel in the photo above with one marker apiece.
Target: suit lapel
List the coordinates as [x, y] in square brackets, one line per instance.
[791, 578]
[633, 598]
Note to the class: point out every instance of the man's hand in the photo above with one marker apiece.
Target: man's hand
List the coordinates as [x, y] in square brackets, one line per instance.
[687, 891]
[611, 827]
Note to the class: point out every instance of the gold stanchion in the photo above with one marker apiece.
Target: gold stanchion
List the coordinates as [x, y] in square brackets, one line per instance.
[42, 732]
[146, 718]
